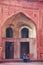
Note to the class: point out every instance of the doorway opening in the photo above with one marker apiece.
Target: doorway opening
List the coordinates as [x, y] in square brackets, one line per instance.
[9, 50]
[24, 48]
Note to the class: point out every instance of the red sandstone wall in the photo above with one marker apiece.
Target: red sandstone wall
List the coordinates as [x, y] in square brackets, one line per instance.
[33, 10]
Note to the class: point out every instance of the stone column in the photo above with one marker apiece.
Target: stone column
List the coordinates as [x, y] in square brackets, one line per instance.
[0, 53]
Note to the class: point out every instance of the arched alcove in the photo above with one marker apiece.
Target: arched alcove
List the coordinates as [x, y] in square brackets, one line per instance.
[31, 32]
[22, 33]
[19, 20]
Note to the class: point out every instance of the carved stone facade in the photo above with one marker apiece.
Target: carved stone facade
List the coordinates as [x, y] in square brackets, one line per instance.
[19, 15]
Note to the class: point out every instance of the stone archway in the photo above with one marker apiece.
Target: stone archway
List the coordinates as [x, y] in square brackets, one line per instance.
[18, 22]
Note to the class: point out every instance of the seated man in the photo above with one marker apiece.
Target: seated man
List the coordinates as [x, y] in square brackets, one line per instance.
[24, 58]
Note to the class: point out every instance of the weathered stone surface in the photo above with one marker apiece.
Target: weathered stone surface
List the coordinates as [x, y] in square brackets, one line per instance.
[32, 10]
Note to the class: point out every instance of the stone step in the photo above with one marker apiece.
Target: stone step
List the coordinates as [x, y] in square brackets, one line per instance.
[28, 63]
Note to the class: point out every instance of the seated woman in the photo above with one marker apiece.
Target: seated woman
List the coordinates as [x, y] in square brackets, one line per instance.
[29, 57]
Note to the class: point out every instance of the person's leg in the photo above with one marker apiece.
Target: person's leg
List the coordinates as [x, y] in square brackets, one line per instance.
[25, 60]
[28, 59]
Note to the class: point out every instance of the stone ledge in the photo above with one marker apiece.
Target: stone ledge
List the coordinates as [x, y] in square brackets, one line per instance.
[20, 60]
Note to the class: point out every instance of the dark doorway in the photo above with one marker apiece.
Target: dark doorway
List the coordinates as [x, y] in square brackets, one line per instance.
[24, 33]
[9, 50]
[24, 48]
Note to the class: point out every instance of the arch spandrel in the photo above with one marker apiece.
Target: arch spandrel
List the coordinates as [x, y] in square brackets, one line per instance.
[9, 17]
